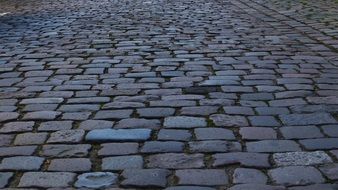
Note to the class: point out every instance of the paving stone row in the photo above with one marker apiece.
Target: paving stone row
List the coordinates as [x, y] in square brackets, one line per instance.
[175, 95]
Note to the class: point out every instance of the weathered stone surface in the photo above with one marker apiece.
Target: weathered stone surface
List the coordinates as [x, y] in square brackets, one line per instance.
[138, 123]
[118, 135]
[17, 151]
[30, 138]
[174, 134]
[296, 175]
[4, 178]
[184, 122]
[330, 171]
[145, 177]
[47, 179]
[242, 158]
[28, 163]
[175, 160]
[214, 134]
[257, 133]
[118, 149]
[162, 146]
[301, 158]
[122, 162]
[229, 121]
[322, 143]
[95, 124]
[214, 146]
[41, 115]
[70, 164]
[273, 146]
[17, 127]
[65, 150]
[66, 136]
[202, 177]
[307, 119]
[96, 180]
[251, 176]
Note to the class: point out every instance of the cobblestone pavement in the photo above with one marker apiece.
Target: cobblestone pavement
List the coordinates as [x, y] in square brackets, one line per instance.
[169, 94]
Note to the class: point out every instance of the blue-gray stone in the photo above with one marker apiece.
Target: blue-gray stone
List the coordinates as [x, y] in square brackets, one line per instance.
[96, 180]
[118, 135]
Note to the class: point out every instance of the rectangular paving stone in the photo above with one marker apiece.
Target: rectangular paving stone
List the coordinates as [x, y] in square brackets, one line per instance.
[301, 158]
[214, 146]
[70, 164]
[207, 177]
[296, 175]
[47, 179]
[118, 135]
[184, 122]
[273, 146]
[175, 161]
[301, 132]
[162, 146]
[118, 149]
[243, 158]
[307, 119]
[17, 151]
[28, 163]
[145, 177]
[320, 143]
[122, 162]
[113, 114]
[62, 150]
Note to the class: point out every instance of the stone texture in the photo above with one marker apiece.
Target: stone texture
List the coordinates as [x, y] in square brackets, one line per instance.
[273, 146]
[175, 160]
[229, 121]
[145, 177]
[70, 164]
[184, 122]
[4, 178]
[96, 180]
[28, 163]
[250, 176]
[118, 135]
[122, 162]
[301, 158]
[118, 149]
[208, 177]
[296, 175]
[47, 179]
[66, 136]
[242, 158]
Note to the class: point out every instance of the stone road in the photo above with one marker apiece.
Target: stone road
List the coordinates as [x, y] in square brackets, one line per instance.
[169, 94]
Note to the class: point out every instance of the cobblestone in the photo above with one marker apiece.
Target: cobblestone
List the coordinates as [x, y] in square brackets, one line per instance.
[179, 94]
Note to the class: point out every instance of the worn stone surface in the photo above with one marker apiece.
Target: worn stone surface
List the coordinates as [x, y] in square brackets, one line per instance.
[47, 179]
[204, 89]
[4, 178]
[202, 177]
[96, 180]
[251, 176]
[184, 122]
[296, 175]
[122, 162]
[175, 160]
[145, 177]
[70, 164]
[301, 158]
[118, 135]
[28, 163]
